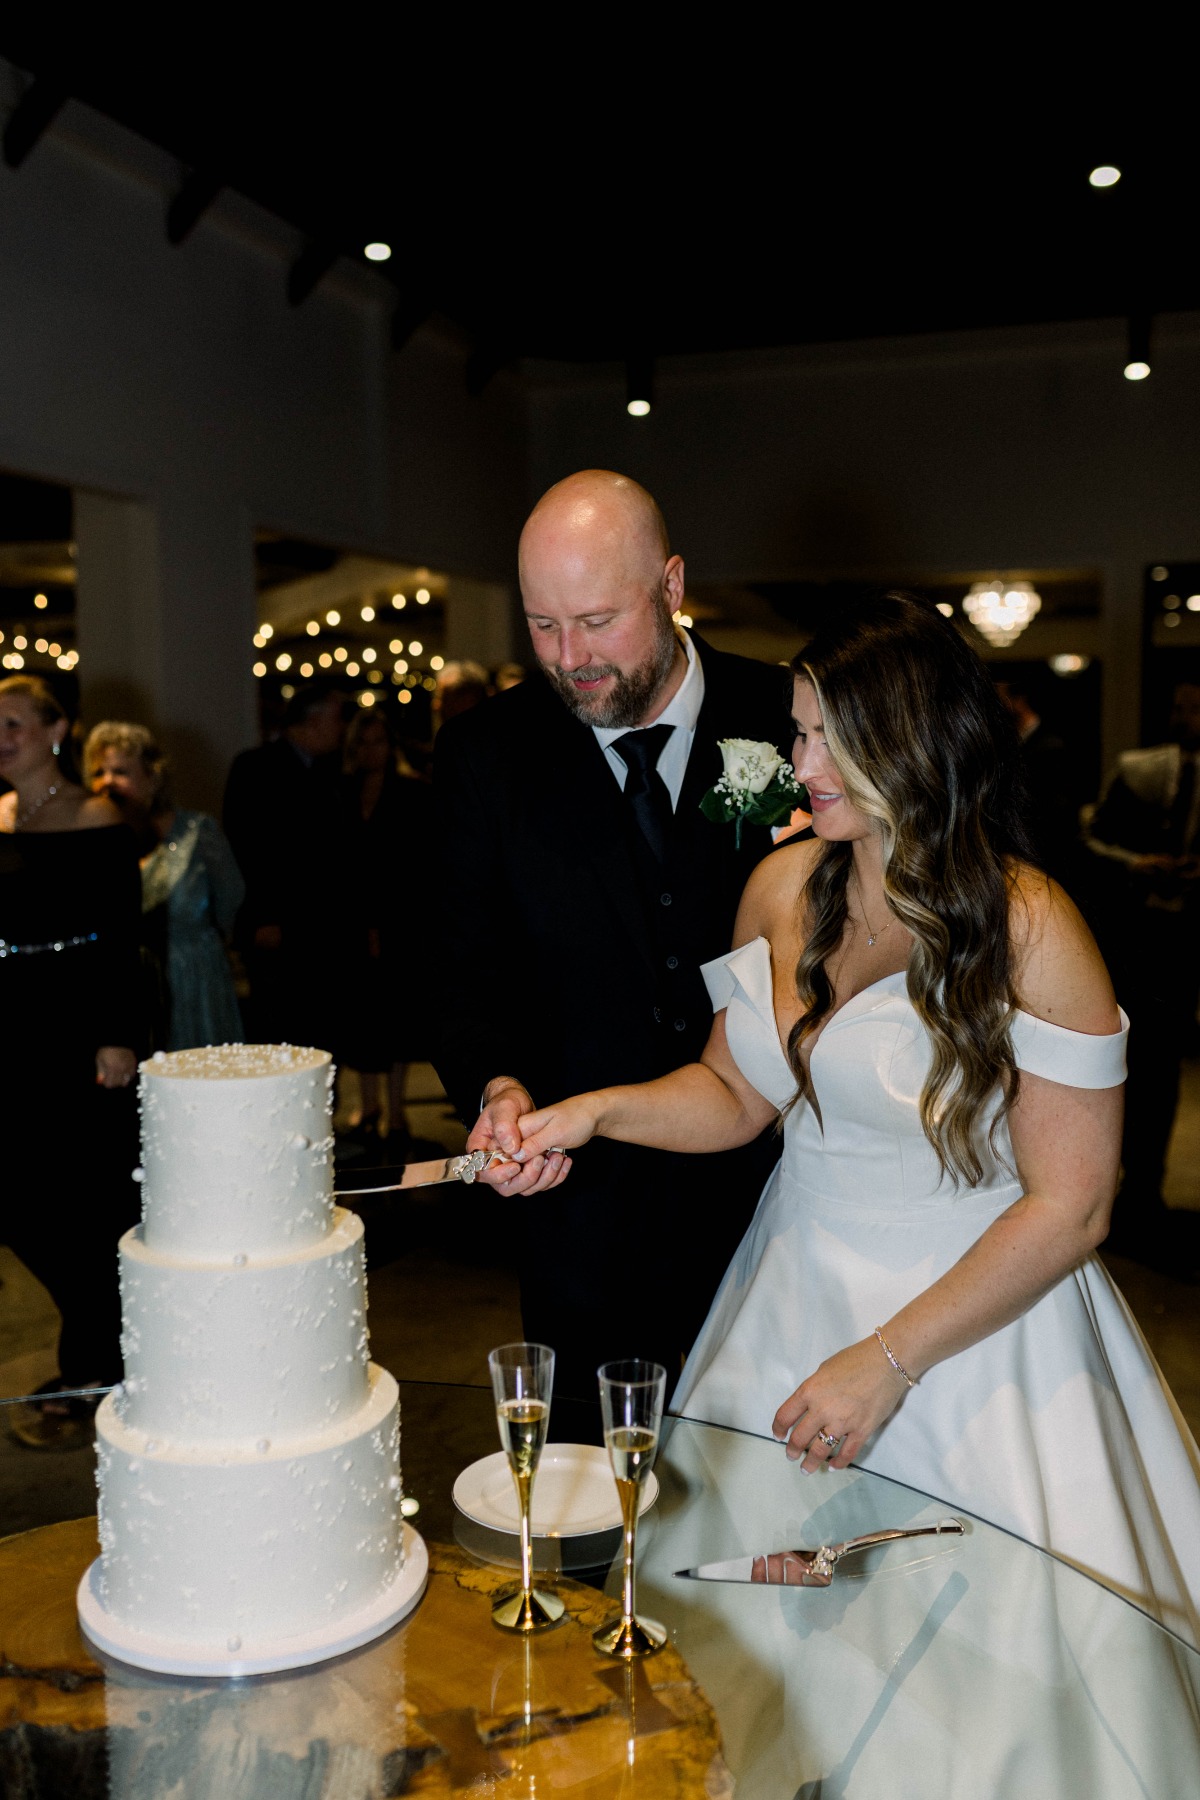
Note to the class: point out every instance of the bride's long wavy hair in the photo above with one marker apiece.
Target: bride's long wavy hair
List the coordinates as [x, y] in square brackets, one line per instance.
[923, 746]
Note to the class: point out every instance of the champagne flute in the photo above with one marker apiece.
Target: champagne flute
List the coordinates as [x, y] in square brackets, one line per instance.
[631, 1403]
[522, 1379]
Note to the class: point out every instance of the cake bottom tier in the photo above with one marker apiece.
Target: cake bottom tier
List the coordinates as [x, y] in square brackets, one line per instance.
[226, 1548]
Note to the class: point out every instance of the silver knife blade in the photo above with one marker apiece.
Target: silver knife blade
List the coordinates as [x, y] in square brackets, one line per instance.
[431, 1174]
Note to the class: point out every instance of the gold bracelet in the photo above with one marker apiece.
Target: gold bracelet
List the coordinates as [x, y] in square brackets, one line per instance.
[893, 1359]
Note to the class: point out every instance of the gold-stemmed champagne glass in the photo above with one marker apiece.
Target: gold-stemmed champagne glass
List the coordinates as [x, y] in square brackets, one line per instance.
[631, 1403]
[522, 1380]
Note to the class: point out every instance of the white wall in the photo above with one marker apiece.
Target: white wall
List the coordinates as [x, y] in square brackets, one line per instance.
[1002, 450]
[179, 388]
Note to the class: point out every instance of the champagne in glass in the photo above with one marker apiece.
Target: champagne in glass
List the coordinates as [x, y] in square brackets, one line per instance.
[631, 1402]
[522, 1379]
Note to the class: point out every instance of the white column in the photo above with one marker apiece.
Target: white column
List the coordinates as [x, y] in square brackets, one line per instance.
[166, 614]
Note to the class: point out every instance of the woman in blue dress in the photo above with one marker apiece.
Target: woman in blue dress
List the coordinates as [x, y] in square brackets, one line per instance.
[191, 885]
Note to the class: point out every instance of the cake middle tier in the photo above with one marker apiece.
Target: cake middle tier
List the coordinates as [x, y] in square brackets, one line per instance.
[248, 1348]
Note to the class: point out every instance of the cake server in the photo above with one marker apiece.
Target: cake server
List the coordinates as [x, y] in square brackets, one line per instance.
[809, 1568]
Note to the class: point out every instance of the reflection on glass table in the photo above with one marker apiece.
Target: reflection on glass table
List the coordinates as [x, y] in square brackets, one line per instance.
[958, 1666]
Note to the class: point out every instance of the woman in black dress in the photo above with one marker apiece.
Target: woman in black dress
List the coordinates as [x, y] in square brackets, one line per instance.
[70, 906]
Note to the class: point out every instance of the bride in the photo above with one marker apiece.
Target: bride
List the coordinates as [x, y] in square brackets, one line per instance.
[928, 1018]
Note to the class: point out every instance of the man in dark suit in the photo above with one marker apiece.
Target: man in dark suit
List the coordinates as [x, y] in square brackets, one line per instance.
[583, 890]
[284, 817]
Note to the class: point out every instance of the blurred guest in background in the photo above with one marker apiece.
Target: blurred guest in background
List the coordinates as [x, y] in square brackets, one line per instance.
[1143, 837]
[285, 819]
[1052, 784]
[509, 675]
[460, 686]
[389, 1001]
[191, 885]
[69, 910]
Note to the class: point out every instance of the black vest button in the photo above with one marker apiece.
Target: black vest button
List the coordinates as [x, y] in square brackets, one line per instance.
[672, 962]
[681, 1024]
[664, 899]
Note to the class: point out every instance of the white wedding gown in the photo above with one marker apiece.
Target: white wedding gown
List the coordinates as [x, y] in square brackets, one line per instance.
[1059, 1427]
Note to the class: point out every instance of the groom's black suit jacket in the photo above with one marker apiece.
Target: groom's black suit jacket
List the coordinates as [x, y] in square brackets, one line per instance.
[571, 962]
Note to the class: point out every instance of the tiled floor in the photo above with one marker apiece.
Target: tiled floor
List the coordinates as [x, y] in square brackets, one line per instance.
[438, 1308]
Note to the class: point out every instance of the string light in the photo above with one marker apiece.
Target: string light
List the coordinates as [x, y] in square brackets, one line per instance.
[268, 631]
[352, 668]
[1105, 176]
[41, 602]
[64, 662]
[325, 660]
[377, 252]
[399, 602]
[313, 628]
[306, 670]
[416, 647]
[367, 614]
[437, 662]
[422, 596]
[368, 654]
[41, 646]
[260, 669]
[396, 646]
[259, 641]
[283, 662]
[400, 666]
[55, 649]
[404, 697]
[333, 618]
[20, 643]
[340, 654]
[366, 698]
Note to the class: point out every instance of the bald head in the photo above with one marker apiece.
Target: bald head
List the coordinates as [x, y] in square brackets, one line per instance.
[600, 586]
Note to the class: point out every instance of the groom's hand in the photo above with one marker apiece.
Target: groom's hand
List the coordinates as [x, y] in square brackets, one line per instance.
[497, 1128]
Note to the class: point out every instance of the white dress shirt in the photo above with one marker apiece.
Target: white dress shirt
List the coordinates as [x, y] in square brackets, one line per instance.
[682, 712]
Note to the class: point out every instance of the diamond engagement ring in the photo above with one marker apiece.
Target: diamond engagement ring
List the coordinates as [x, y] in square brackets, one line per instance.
[831, 1442]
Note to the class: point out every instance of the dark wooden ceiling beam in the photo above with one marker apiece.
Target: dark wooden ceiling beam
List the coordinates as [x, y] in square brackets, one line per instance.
[196, 194]
[31, 118]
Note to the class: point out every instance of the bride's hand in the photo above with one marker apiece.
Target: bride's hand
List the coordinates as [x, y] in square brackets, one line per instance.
[848, 1398]
[558, 1128]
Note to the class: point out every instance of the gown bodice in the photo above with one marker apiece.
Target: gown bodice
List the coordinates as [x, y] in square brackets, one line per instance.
[866, 1149]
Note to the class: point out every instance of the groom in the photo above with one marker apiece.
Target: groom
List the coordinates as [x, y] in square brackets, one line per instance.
[583, 888]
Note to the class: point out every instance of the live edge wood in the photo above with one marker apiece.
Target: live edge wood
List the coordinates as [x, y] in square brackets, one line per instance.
[443, 1704]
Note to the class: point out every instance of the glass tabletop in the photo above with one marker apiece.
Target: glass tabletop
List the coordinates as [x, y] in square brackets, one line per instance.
[954, 1666]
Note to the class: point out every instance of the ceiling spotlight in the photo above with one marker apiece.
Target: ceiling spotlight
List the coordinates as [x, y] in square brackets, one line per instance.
[1136, 370]
[1104, 176]
[377, 252]
[639, 386]
[1192, 603]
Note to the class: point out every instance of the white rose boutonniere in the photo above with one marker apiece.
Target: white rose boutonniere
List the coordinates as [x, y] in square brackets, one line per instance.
[757, 785]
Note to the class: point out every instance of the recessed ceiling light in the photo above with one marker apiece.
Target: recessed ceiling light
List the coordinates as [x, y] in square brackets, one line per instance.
[1104, 176]
[1136, 371]
[637, 409]
[377, 252]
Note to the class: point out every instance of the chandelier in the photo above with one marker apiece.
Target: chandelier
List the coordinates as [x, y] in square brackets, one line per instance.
[1000, 610]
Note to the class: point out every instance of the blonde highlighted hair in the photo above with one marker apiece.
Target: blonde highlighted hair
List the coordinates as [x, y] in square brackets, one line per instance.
[925, 748]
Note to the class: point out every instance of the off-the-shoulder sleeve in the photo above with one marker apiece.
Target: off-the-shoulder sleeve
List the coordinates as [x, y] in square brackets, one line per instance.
[718, 979]
[1074, 1058]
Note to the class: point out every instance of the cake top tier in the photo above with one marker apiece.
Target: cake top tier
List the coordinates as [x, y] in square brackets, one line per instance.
[233, 1062]
[236, 1142]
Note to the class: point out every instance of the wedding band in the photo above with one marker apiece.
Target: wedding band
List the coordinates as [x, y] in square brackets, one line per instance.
[831, 1442]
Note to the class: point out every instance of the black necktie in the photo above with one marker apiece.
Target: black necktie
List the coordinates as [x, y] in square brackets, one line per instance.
[645, 789]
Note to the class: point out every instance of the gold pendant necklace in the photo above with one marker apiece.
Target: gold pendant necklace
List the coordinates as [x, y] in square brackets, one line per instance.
[871, 935]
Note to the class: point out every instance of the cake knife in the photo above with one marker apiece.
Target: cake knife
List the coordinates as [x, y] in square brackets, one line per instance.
[430, 1174]
[808, 1568]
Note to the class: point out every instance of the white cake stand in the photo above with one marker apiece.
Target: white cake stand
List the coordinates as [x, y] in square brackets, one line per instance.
[255, 1656]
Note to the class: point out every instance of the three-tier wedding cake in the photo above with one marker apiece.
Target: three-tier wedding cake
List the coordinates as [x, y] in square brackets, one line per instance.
[249, 1464]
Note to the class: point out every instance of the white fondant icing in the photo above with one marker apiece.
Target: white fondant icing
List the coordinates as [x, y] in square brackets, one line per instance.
[200, 1545]
[248, 1464]
[276, 1346]
[224, 1167]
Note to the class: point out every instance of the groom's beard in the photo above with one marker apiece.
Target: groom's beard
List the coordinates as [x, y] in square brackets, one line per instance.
[632, 694]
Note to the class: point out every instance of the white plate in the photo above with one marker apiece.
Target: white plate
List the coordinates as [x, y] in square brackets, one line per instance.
[573, 1492]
